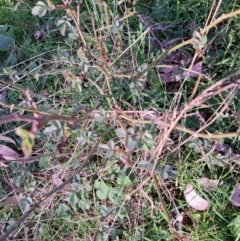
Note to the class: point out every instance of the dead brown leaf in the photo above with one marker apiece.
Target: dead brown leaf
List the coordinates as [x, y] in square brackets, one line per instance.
[7, 153]
[194, 200]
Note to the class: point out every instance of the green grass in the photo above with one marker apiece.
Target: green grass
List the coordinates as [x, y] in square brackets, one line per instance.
[115, 197]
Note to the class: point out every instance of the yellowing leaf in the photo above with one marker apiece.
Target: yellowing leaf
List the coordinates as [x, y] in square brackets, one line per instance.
[27, 141]
[73, 79]
[50, 5]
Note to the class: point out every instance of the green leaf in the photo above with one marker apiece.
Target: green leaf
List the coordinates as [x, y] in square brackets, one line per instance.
[88, 187]
[120, 132]
[111, 144]
[59, 133]
[72, 199]
[203, 41]
[6, 42]
[12, 59]
[77, 178]
[164, 174]
[6, 38]
[3, 29]
[40, 9]
[116, 195]
[109, 153]
[149, 143]
[116, 23]
[11, 222]
[105, 210]
[99, 118]
[56, 127]
[103, 147]
[62, 210]
[57, 124]
[25, 203]
[141, 145]
[61, 22]
[122, 212]
[84, 204]
[150, 167]
[44, 162]
[235, 227]
[108, 148]
[102, 193]
[115, 30]
[62, 29]
[50, 129]
[102, 111]
[103, 189]
[123, 180]
[76, 186]
[142, 69]
[131, 145]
